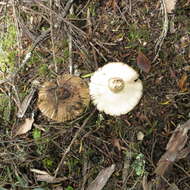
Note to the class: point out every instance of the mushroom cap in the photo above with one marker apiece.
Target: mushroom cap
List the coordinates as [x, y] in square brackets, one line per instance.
[64, 98]
[113, 98]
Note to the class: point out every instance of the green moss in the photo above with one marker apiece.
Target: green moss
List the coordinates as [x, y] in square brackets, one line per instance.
[47, 163]
[43, 70]
[8, 48]
[4, 107]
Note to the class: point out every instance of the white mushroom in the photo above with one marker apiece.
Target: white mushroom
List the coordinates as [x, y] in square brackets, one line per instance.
[115, 88]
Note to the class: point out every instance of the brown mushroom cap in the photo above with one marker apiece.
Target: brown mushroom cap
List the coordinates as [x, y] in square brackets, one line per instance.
[64, 98]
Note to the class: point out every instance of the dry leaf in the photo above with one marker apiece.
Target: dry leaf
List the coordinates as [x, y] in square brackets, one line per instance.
[174, 149]
[102, 178]
[44, 176]
[26, 102]
[182, 82]
[116, 143]
[25, 127]
[170, 5]
[143, 62]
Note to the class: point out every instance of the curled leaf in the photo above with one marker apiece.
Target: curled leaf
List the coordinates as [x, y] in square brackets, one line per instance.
[25, 127]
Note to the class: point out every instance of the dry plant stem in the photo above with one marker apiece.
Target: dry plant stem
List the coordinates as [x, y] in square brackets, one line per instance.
[130, 6]
[67, 8]
[70, 38]
[163, 33]
[122, 14]
[98, 51]
[73, 140]
[89, 23]
[16, 99]
[52, 39]
[26, 30]
[83, 8]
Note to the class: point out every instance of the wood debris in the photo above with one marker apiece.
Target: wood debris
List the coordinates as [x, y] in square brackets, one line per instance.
[175, 149]
[102, 178]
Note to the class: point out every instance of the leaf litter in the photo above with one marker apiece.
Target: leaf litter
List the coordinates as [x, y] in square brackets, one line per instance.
[143, 62]
[25, 127]
[102, 178]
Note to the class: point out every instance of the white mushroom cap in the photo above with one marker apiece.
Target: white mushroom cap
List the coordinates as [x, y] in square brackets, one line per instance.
[115, 88]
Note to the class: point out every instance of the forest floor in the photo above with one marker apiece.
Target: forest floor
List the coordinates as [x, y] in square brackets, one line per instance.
[41, 39]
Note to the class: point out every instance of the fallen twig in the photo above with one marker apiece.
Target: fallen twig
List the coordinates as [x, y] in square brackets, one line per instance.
[174, 149]
[102, 178]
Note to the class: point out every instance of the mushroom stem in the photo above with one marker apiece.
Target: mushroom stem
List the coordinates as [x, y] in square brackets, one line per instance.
[116, 84]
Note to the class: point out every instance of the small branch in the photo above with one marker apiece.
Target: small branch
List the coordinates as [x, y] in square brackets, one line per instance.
[70, 39]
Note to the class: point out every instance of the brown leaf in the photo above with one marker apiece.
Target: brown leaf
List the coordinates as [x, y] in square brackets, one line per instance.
[102, 178]
[116, 143]
[182, 82]
[25, 127]
[143, 62]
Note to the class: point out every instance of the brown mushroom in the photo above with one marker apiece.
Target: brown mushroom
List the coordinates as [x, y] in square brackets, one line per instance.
[64, 98]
